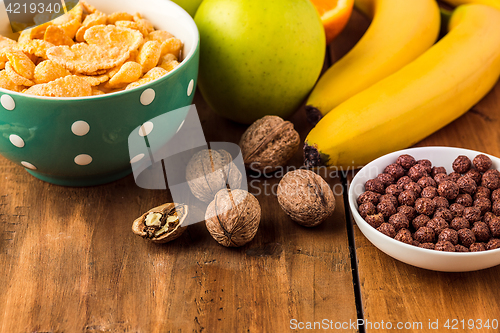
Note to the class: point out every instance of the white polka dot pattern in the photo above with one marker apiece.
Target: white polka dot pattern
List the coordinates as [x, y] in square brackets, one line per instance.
[83, 159]
[147, 97]
[16, 140]
[7, 102]
[80, 128]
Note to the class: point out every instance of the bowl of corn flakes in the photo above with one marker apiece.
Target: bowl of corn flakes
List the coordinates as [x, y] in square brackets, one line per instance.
[75, 87]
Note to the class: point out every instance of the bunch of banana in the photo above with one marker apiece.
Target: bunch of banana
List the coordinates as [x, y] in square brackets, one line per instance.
[401, 30]
[430, 92]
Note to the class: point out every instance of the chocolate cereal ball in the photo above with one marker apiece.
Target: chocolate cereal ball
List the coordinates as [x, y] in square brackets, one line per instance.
[457, 209]
[494, 225]
[426, 181]
[493, 244]
[483, 204]
[429, 192]
[448, 189]
[387, 229]
[445, 246]
[481, 231]
[495, 195]
[420, 221]
[403, 181]
[386, 208]
[454, 176]
[428, 246]
[482, 192]
[392, 199]
[375, 220]
[368, 196]
[437, 224]
[395, 170]
[425, 235]
[482, 163]
[449, 235]
[464, 199]
[461, 248]
[399, 221]
[459, 223]
[394, 190]
[406, 161]
[407, 198]
[441, 202]
[495, 207]
[386, 179]
[461, 164]
[441, 177]
[409, 211]
[477, 247]
[466, 185]
[417, 171]
[404, 235]
[436, 170]
[472, 214]
[375, 185]
[367, 209]
[444, 213]
[474, 174]
[425, 206]
[427, 165]
[466, 237]
[488, 216]
[490, 180]
[412, 186]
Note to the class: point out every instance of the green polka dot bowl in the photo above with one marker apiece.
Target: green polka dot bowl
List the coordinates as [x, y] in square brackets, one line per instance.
[84, 141]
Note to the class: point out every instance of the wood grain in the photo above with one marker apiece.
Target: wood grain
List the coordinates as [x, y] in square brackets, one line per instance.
[392, 291]
[70, 262]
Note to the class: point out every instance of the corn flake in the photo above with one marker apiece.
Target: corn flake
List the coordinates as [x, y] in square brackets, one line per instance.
[6, 82]
[128, 73]
[36, 47]
[16, 77]
[168, 62]
[95, 80]
[47, 71]
[96, 91]
[110, 36]
[172, 45]
[149, 55]
[87, 59]
[21, 63]
[71, 21]
[96, 18]
[56, 36]
[68, 86]
[119, 16]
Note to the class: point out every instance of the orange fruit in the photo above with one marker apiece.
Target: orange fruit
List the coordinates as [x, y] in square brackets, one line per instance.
[334, 15]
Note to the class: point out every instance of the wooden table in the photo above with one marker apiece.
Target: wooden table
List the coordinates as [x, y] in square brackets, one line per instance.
[70, 262]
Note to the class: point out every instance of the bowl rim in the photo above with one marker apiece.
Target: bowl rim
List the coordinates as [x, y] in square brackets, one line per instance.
[359, 220]
[182, 64]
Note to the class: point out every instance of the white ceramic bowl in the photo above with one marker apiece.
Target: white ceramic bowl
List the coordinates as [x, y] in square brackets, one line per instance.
[413, 255]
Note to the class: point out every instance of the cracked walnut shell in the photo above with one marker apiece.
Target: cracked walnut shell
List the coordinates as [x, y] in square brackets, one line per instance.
[269, 143]
[211, 170]
[233, 217]
[161, 224]
[306, 197]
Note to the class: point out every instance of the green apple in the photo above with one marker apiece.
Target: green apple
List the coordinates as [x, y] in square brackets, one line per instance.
[258, 57]
[189, 6]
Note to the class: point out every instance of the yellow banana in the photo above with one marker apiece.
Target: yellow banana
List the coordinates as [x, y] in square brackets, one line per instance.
[492, 3]
[401, 30]
[402, 109]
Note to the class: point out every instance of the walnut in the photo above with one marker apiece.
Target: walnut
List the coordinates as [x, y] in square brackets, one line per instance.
[209, 171]
[233, 217]
[306, 197]
[269, 143]
[161, 224]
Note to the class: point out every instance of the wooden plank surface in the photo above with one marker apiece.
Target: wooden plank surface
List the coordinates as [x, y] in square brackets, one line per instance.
[392, 291]
[71, 263]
